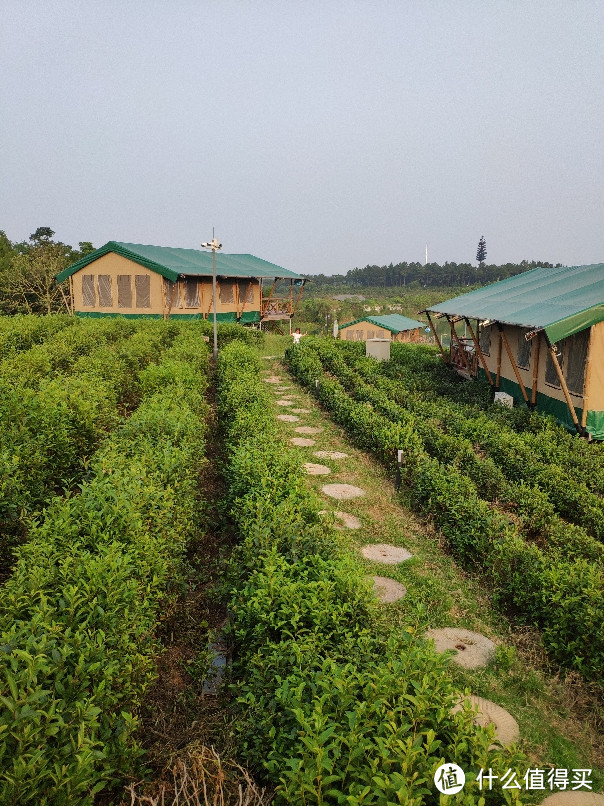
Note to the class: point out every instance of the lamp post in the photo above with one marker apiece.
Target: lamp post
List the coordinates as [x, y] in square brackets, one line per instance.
[214, 245]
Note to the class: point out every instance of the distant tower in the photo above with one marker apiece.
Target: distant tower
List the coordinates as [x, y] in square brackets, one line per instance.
[481, 252]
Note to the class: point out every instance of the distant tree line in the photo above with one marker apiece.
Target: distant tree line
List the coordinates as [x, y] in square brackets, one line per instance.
[28, 270]
[403, 274]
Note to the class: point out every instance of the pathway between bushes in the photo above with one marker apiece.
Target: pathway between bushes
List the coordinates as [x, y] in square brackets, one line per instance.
[558, 719]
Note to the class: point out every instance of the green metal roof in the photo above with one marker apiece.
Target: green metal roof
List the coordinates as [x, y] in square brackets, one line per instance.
[172, 262]
[560, 301]
[393, 322]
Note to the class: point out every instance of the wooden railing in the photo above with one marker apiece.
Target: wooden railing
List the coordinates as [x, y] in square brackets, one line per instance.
[276, 308]
[464, 360]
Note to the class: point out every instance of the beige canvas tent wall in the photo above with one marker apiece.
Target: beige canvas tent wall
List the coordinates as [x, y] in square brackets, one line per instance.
[539, 337]
[140, 280]
[392, 326]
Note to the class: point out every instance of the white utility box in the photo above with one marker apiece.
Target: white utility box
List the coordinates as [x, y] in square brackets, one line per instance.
[378, 349]
[504, 399]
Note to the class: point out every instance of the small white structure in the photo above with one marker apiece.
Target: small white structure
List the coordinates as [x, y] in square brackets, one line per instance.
[378, 349]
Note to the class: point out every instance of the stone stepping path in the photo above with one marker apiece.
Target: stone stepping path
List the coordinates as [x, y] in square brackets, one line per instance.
[273, 379]
[385, 553]
[341, 491]
[307, 429]
[289, 418]
[300, 442]
[284, 402]
[330, 454]
[472, 650]
[316, 470]
[489, 713]
[578, 798]
[347, 521]
[283, 388]
[388, 590]
[301, 411]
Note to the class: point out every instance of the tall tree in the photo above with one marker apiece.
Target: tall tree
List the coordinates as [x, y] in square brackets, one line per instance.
[30, 285]
[481, 253]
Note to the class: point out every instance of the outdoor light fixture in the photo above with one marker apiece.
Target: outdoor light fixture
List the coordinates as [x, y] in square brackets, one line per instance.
[485, 323]
[214, 246]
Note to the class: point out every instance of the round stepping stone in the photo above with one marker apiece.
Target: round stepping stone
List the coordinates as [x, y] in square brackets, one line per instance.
[301, 411]
[316, 470]
[300, 442]
[285, 402]
[349, 521]
[388, 590]
[283, 388]
[288, 418]
[272, 379]
[385, 553]
[472, 649]
[578, 798]
[330, 454]
[307, 429]
[489, 713]
[342, 491]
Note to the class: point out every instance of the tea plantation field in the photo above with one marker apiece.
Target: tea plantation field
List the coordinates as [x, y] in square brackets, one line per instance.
[122, 443]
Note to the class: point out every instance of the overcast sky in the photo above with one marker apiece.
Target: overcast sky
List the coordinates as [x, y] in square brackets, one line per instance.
[317, 135]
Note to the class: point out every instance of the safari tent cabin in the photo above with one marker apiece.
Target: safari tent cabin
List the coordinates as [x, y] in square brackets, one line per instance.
[130, 279]
[539, 337]
[391, 326]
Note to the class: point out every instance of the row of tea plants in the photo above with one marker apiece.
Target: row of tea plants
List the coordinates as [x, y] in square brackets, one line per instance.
[49, 431]
[542, 569]
[334, 707]
[79, 614]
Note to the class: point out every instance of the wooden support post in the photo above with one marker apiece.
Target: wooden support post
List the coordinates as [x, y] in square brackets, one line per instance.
[433, 329]
[586, 382]
[569, 402]
[71, 296]
[514, 367]
[461, 349]
[535, 371]
[499, 350]
[478, 350]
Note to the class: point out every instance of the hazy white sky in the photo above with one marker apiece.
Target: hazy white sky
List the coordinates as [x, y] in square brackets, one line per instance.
[318, 135]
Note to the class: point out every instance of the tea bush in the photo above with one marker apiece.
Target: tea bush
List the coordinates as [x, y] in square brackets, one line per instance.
[332, 709]
[79, 614]
[447, 480]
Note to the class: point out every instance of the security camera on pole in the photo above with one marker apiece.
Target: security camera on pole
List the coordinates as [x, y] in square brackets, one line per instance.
[214, 245]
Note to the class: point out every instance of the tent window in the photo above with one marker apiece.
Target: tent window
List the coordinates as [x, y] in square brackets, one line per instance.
[104, 286]
[575, 356]
[227, 292]
[171, 293]
[358, 335]
[484, 339]
[124, 291]
[142, 285]
[380, 334]
[246, 292]
[371, 334]
[192, 294]
[551, 376]
[523, 355]
[88, 295]
[350, 335]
